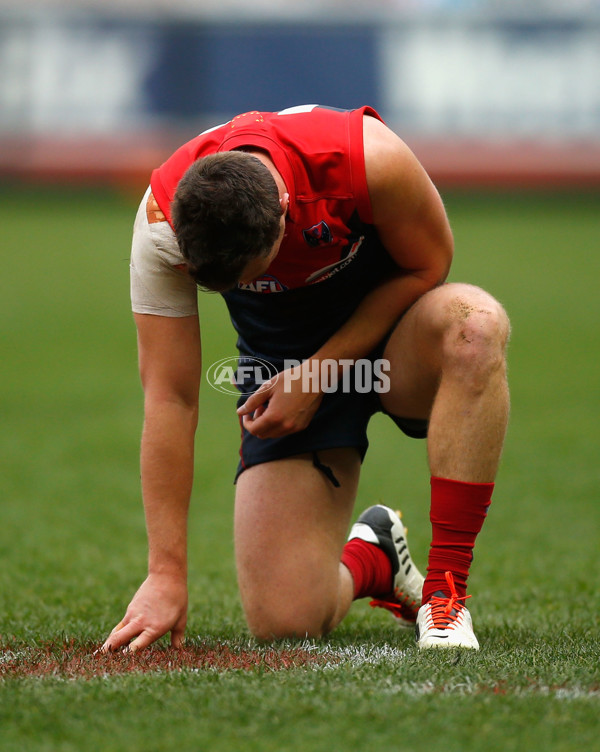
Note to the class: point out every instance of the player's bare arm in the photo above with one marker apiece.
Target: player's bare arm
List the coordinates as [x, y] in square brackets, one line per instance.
[170, 369]
[412, 225]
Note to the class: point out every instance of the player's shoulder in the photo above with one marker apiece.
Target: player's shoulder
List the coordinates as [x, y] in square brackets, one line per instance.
[388, 159]
[380, 142]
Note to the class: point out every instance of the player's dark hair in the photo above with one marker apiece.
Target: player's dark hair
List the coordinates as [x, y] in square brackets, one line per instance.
[226, 212]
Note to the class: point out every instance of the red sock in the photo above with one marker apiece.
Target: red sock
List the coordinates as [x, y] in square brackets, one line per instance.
[370, 568]
[458, 510]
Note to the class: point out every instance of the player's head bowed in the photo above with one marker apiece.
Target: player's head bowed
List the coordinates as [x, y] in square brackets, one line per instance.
[226, 213]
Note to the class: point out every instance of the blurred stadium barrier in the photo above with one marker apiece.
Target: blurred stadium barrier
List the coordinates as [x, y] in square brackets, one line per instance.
[483, 92]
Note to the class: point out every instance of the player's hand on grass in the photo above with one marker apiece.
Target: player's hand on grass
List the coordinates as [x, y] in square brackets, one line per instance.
[281, 406]
[158, 607]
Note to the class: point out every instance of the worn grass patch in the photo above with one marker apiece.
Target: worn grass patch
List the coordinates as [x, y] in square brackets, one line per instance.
[74, 660]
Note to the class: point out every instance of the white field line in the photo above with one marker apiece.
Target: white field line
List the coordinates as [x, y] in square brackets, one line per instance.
[12, 655]
[471, 689]
[362, 655]
[385, 654]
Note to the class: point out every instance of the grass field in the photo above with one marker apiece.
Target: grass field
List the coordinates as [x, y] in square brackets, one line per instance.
[72, 539]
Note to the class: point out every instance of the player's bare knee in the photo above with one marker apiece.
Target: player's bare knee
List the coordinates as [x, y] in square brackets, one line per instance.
[277, 626]
[476, 333]
[272, 619]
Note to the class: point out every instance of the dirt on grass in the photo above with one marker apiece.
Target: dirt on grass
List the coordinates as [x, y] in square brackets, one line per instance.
[70, 659]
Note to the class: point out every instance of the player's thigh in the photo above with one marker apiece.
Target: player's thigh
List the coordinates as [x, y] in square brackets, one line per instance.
[415, 348]
[291, 522]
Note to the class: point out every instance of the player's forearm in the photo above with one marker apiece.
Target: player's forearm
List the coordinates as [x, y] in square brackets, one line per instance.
[167, 458]
[375, 316]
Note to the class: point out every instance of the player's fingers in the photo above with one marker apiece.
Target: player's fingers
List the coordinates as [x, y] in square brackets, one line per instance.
[142, 641]
[272, 424]
[260, 428]
[260, 396]
[118, 638]
[177, 636]
[107, 645]
[250, 420]
[259, 411]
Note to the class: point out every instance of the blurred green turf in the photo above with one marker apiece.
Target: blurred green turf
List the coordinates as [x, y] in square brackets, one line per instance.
[72, 539]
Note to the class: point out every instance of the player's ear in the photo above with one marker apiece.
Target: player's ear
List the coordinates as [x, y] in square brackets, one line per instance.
[284, 202]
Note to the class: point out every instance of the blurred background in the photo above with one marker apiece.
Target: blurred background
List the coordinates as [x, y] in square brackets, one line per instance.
[496, 92]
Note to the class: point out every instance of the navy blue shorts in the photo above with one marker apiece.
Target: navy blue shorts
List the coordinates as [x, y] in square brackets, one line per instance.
[340, 421]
